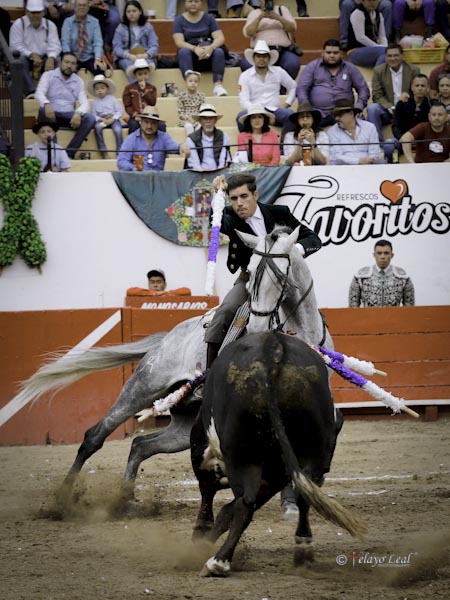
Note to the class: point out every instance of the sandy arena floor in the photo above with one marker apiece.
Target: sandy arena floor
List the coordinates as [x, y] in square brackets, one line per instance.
[392, 473]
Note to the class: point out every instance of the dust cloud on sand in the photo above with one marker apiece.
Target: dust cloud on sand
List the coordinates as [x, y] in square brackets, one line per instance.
[393, 474]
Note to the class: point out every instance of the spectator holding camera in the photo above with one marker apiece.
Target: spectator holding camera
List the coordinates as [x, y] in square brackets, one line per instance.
[276, 26]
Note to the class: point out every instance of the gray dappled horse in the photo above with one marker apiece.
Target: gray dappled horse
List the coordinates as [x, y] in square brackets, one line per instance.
[170, 360]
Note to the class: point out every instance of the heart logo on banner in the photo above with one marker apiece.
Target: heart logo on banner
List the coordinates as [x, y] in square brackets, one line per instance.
[394, 190]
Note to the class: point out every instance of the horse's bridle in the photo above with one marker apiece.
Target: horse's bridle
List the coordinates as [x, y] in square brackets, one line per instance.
[274, 313]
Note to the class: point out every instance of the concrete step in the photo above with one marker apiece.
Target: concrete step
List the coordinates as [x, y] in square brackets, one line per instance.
[228, 106]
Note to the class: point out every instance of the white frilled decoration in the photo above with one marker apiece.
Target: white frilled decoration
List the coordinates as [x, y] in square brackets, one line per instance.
[217, 205]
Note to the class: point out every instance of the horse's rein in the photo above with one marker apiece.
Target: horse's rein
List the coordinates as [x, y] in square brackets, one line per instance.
[274, 313]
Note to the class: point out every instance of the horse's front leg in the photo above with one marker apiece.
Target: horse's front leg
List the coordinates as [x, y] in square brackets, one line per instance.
[173, 438]
[133, 397]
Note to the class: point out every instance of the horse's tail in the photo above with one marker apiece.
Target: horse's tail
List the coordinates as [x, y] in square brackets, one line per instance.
[331, 510]
[64, 368]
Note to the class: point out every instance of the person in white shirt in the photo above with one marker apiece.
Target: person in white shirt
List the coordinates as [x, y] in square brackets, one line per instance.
[51, 155]
[62, 100]
[37, 41]
[352, 141]
[261, 84]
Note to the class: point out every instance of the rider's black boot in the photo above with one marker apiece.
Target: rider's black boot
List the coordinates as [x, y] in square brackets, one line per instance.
[211, 354]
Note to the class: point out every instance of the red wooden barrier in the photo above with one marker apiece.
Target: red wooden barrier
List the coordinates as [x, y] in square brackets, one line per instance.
[411, 344]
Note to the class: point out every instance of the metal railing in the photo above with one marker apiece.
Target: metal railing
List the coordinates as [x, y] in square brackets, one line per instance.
[11, 101]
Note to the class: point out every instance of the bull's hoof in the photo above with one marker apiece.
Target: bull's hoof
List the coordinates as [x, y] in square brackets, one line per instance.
[304, 550]
[215, 568]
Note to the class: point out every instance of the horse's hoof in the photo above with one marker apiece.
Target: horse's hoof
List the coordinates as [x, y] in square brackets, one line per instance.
[215, 568]
[304, 550]
[290, 512]
[200, 533]
[127, 492]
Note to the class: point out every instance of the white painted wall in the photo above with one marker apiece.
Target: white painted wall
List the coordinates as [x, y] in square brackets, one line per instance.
[97, 246]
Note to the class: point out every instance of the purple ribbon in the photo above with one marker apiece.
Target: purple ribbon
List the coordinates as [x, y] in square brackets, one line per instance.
[332, 354]
[214, 244]
[346, 373]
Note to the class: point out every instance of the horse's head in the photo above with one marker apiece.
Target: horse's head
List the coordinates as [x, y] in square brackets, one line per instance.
[269, 269]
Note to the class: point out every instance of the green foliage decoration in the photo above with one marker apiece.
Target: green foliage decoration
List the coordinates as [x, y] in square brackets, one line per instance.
[20, 232]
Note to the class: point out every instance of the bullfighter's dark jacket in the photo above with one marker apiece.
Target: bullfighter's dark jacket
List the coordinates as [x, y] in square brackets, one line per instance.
[239, 254]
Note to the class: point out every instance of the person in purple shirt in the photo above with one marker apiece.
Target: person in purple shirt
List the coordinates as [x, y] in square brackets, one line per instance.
[327, 79]
[145, 149]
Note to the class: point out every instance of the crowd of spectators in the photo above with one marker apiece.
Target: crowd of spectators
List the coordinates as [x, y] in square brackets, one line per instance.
[55, 40]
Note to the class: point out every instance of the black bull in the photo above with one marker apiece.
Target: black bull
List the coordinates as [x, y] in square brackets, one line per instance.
[267, 418]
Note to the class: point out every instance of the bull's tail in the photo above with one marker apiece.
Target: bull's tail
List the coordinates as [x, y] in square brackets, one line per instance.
[327, 507]
[65, 368]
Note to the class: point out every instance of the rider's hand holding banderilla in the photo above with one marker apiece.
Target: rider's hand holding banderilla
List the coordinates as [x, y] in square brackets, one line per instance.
[219, 183]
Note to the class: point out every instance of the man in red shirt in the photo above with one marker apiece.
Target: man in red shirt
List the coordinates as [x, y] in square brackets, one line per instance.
[433, 137]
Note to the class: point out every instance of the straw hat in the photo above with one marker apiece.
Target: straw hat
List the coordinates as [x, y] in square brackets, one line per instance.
[207, 110]
[261, 47]
[257, 109]
[150, 112]
[90, 86]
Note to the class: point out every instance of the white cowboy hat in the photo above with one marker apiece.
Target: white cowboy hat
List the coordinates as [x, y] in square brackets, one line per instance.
[257, 109]
[139, 63]
[261, 47]
[35, 6]
[150, 112]
[90, 86]
[207, 110]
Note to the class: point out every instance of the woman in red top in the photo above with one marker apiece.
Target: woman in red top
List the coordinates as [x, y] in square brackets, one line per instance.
[266, 145]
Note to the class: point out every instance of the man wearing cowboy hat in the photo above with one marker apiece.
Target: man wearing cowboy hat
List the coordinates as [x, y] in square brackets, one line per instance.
[145, 149]
[58, 92]
[136, 96]
[106, 109]
[37, 41]
[353, 141]
[261, 84]
[53, 157]
[210, 147]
